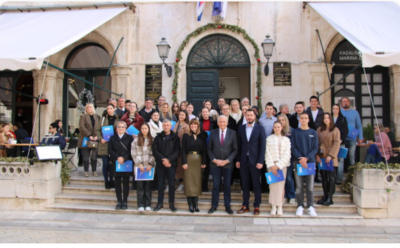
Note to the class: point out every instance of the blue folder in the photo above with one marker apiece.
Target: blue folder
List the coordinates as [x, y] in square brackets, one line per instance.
[306, 172]
[342, 152]
[271, 178]
[126, 167]
[107, 131]
[208, 136]
[132, 130]
[353, 132]
[85, 141]
[173, 124]
[325, 166]
[144, 176]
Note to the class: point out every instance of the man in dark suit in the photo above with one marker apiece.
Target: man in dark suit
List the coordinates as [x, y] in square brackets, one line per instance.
[222, 151]
[250, 160]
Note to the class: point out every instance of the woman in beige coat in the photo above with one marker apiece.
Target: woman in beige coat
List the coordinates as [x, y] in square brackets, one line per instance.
[89, 126]
[277, 157]
[142, 155]
[181, 127]
[329, 143]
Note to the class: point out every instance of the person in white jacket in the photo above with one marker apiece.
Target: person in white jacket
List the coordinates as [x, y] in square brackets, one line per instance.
[277, 157]
[155, 124]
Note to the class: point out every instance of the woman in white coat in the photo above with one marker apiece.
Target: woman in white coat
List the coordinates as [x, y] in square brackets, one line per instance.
[277, 157]
[155, 124]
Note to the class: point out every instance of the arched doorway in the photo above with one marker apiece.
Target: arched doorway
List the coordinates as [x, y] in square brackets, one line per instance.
[345, 57]
[217, 66]
[89, 61]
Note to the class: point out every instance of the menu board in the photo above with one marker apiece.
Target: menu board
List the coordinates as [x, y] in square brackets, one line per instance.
[282, 74]
[153, 82]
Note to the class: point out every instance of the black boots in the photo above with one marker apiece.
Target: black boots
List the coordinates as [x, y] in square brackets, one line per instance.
[190, 204]
[119, 205]
[325, 187]
[196, 203]
[331, 190]
[172, 207]
[158, 207]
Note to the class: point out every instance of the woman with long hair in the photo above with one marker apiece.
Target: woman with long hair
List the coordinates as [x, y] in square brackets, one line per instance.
[207, 124]
[181, 127]
[290, 189]
[194, 159]
[329, 145]
[183, 105]
[175, 109]
[120, 151]
[59, 125]
[5, 135]
[236, 113]
[277, 157]
[142, 154]
[213, 113]
[132, 117]
[109, 119]
[190, 109]
[166, 113]
[341, 123]
[89, 126]
[155, 124]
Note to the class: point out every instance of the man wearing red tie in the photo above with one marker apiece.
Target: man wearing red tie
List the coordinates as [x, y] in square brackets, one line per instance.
[222, 150]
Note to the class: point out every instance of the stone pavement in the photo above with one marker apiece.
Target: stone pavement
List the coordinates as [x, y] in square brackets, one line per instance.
[62, 227]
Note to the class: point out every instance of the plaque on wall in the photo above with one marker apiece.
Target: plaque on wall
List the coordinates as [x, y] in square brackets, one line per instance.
[153, 82]
[282, 74]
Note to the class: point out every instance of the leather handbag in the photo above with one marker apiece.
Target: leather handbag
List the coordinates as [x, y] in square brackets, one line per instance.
[92, 144]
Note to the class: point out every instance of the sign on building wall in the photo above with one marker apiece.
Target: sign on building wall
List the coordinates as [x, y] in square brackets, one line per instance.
[282, 74]
[153, 82]
[345, 53]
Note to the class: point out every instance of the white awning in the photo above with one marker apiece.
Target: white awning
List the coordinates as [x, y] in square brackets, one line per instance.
[28, 38]
[372, 27]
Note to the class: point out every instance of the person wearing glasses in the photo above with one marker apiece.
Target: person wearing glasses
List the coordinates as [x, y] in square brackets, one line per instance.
[55, 137]
[119, 148]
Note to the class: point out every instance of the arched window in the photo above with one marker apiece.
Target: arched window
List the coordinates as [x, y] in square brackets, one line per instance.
[89, 61]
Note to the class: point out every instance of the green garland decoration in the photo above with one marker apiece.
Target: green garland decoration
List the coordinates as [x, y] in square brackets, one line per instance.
[359, 166]
[233, 28]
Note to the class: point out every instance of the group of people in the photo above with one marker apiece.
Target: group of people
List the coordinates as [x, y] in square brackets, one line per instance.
[230, 142]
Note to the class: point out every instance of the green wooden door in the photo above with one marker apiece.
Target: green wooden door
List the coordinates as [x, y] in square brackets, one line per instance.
[202, 84]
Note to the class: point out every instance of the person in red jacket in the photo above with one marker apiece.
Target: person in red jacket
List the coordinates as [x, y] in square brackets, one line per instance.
[132, 117]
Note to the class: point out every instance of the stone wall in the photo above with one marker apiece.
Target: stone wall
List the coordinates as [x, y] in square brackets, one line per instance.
[377, 193]
[28, 187]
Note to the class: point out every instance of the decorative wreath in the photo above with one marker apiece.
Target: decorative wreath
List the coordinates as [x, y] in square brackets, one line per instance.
[200, 30]
[84, 97]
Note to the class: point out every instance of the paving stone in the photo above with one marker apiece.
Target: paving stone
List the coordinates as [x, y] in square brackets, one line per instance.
[392, 230]
[291, 229]
[311, 222]
[215, 228]
[326, 229]
[177, 227]
[260, 221]
[331, 222]
[242, 221]
[276, 221]
[252, 229]
[352, 222]
[293, 222]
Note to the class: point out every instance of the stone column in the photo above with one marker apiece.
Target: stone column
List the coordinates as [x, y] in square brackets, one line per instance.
[394, 73]
[124, 83]
[52, 82]
[319, 83]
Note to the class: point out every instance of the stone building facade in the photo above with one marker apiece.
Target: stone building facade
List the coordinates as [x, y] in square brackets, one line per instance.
[292, 25]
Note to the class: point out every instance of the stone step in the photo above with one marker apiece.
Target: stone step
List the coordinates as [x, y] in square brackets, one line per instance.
[110, 209]
[236, 186]
[236, 194]
[204, 204]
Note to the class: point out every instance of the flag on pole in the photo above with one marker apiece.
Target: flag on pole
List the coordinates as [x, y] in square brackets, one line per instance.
[199, 10]
[223, 9]
[217, 8]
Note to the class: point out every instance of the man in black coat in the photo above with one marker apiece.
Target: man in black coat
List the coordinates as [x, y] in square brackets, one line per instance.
[166, 149]
[222, 151]
[20, 132]
[316, 113]
[250, 160]
[294, 118]
[148, 109]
